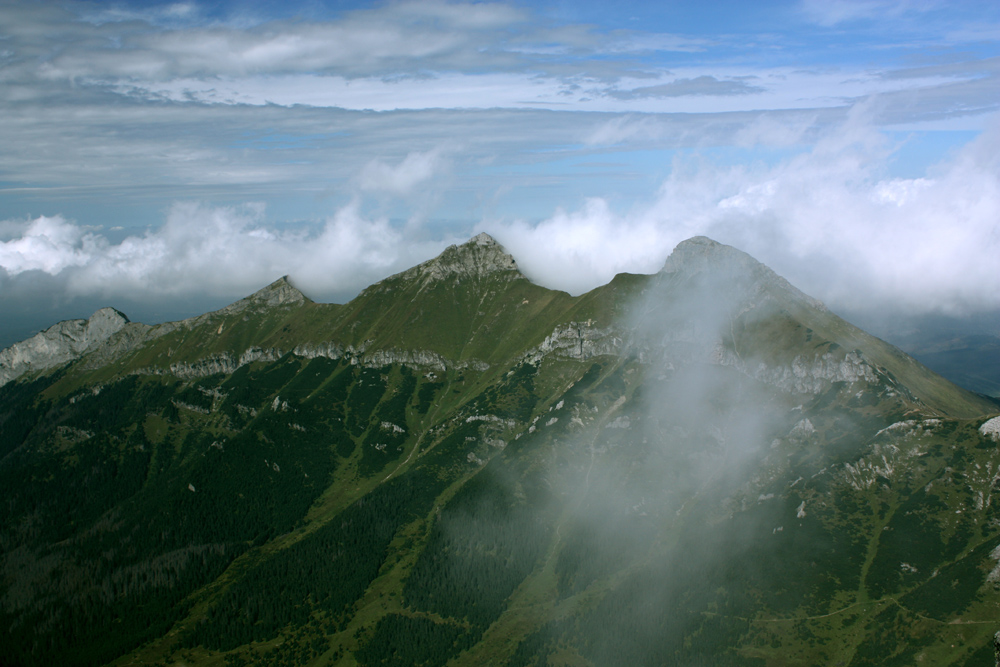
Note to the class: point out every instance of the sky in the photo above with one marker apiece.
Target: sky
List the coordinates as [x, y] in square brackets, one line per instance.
[170, 157]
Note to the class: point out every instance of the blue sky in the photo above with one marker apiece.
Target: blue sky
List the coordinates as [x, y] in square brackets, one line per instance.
[188, 153]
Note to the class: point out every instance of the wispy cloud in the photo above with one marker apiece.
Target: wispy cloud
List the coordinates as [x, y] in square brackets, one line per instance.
[834, 12]
[701, 85]
[400, 179]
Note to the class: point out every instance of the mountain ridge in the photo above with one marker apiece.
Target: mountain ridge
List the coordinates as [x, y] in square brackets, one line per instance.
[699, 466]
[738, 284]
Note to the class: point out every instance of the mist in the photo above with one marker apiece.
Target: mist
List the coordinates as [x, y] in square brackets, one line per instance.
[664, 470]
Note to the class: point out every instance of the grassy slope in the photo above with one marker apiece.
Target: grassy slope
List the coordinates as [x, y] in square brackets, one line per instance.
[495, 321]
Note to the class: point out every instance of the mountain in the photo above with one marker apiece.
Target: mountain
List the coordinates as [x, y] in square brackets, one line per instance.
[703, 466]
[972, 360]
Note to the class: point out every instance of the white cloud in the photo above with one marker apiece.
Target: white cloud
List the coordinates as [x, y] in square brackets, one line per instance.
[49, 244]
[401, 179]
[225, 251]
[424, 55]
[831, 220]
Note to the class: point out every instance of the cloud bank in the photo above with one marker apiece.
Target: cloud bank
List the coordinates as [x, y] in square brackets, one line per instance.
[829, 218]
[202, 250]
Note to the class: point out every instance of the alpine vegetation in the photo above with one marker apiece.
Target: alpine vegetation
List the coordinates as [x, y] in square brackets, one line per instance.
[702, 466]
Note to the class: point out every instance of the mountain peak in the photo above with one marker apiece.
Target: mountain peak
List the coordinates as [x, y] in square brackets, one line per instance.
[483, 239]
[279, 293]
[700, 255]
[479, 257]
[59, 344]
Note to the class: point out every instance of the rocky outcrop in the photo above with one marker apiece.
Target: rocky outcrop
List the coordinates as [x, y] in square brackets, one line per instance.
[991, 429]
[385, 357]
[479, 258]
[580, 341]
[224, 363]
[59, 344]
[814, 376]
[227, 363]
[277, 294]
[418, 359]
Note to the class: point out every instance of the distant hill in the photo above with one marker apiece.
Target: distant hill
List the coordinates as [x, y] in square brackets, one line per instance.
[704, 466]
[971, 361]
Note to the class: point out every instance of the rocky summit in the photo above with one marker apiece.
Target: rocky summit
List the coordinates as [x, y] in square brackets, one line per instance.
[703, 466]
[59, 344]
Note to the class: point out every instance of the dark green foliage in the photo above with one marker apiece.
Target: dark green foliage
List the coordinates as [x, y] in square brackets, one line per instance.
[658, 529]
[804, 564]
[482, 546]
[954, 587]
[134, 604]
[981, 656]
[656, 617]
[117, 406]
[309, 379]
[513, 397]
[366, 391]
[406, 641]
[328, 570]
[253, 385]
[192, 396]
[913, 536]
[535, 648]
[126, 581]
[449, 454]
[426, 394]
[21, 411]
[591, 550]
[883, 640]
[384, 442]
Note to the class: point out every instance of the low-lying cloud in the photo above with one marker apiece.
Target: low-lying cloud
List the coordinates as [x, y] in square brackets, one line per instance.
[829, 218]
[221, 251]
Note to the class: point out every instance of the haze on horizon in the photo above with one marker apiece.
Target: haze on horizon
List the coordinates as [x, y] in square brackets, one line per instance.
[166, 158]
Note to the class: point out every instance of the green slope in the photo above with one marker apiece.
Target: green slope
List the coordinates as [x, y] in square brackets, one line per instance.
[460, 467]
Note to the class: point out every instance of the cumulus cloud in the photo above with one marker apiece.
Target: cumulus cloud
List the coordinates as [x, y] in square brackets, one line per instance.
[48, 244]
[227, 251]
[830, 219]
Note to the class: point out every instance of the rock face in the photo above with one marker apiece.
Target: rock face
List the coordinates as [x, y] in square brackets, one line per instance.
[991, 429]
[279, 293]
[59, 344]
[580, 341]
[480, 257]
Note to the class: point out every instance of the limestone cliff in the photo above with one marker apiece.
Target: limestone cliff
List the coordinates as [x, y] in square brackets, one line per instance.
[59, 344]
